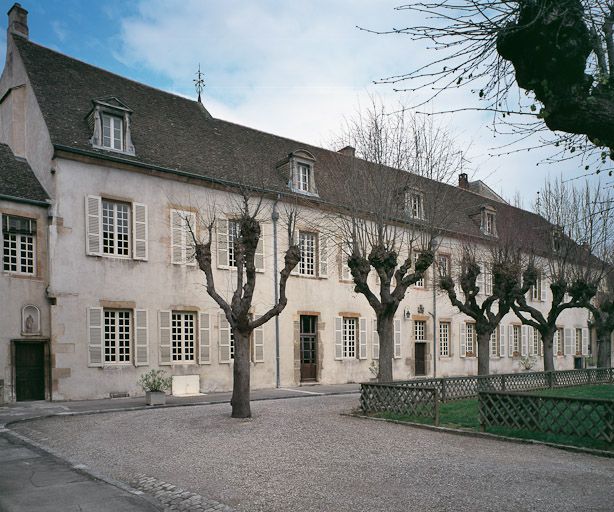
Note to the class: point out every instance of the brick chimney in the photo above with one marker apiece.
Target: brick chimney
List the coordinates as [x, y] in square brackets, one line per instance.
[348, 151]
[18, 21]
[463, 180]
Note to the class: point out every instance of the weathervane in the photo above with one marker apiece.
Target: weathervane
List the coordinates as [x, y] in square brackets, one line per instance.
[199, 83]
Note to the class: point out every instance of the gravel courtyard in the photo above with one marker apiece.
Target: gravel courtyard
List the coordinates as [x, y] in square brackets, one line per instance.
[302, 455]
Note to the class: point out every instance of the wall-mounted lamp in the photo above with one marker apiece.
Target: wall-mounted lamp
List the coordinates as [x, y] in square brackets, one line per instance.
[407, 314]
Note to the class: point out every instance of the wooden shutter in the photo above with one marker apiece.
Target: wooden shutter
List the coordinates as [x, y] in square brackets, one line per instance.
[543, 289]
[94, 328]
[362, 342]
[323, 254]
[510, 340]
[222, 243]
[296, 239]
[189, 250]
[93, 225]
[338, 337]
[259, 255]
[141, 338]
[397, 338]
[480, 279]
[525, 340]
[462, 341]
[584, 341]
[164, 327]
[375, 341]
[223, 339]
[530, 335]
[568, 345]
[259, 343]
[139, 231]
[204, 351]
[501, 340]
[177, 238]
[346, 273]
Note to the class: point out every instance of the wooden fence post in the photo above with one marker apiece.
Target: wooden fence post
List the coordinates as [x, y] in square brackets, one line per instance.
[436, 398]
[503, 382]
[443, 390]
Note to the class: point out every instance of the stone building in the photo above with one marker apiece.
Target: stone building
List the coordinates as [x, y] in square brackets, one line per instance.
[99, 175]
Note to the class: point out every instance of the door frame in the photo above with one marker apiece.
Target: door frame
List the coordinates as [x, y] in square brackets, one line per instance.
[320, 327]
[424, 359]
[46, 365]
[315, 348]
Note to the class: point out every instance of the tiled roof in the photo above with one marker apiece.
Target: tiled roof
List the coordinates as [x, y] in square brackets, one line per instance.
[176, 133]
[17, 179]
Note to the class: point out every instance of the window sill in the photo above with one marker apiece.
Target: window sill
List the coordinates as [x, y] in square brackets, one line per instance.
[115, 151]
[20, 275]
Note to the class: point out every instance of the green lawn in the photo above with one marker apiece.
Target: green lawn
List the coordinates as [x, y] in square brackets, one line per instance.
[463, 414]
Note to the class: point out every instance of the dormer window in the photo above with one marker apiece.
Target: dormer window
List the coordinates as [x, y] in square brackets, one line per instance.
[303, 178]
[109, 120]
[299, 166]
[488, 221]
[414, 204]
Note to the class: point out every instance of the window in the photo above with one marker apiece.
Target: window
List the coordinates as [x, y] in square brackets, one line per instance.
[182, 336]
[115, 228]
[444, 265]
[233, 236]
[303, 177]
[232, 344]
[419, 330]
[414, 204]
[515, 341]
[578, 341]
[349, 337]
[487, 273]
[183, 227]
[494, 344]
[535, 342]
[557, 341]
[488, 224]
[19, 246]
[536, 289]
[117, 336]
[419, 282]
[112, 132]
[307, 246]
[444, 339]
[470, 339]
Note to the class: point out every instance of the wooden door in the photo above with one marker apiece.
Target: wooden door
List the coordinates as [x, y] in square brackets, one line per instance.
[29, 371]
[308, 339]
[420, 360]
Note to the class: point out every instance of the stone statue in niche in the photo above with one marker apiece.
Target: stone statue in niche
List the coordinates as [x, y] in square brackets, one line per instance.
[30, 320]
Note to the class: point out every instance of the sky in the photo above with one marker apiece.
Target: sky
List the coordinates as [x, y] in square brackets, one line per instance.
[292, 68]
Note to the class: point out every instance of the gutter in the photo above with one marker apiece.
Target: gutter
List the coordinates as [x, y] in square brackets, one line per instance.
[23, 200]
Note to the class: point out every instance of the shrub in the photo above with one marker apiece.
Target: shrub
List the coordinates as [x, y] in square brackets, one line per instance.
[155, 380]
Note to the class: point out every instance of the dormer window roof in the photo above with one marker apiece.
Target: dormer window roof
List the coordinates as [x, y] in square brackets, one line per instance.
[488, 218]
[109, 120]
[300, 166]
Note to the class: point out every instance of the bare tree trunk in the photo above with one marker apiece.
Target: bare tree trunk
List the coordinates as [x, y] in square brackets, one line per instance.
[240, 387]
[604, 349]
[484, 353]
[385, 331]
[548, 351]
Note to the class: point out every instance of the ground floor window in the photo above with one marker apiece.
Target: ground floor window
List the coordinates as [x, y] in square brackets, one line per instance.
[117, 335]
[535, 342]
[419, 330]
[444, 338]
[578, 341]
[494, 344]
[470, 339]
[182, 336]
[515, 341]
[349, 337]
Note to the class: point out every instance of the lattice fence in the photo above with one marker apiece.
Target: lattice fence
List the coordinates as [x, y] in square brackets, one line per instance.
[402, 399]
[588, 418]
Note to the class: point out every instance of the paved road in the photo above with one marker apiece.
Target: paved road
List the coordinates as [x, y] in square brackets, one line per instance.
[302, 455]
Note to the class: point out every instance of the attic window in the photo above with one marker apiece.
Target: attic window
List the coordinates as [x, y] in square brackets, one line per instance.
[300, 165]
[414, 204]
[303, 177]
[488, 221]
[110, 124]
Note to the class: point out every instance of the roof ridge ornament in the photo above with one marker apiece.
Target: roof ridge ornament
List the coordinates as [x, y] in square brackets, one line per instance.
[199, 83]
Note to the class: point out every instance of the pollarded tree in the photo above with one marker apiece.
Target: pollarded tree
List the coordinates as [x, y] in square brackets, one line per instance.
[569, 259]
[238, 309]
[398, 206]
[602, 320]
[499, 275]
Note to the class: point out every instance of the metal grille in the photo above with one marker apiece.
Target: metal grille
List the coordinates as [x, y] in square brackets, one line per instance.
[567, 416]
[403, 399]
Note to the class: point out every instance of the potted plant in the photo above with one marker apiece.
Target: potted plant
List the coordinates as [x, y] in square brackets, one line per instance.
[155, 383]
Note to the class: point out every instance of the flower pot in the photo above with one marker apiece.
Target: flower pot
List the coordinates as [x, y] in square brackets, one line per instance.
[155, 397]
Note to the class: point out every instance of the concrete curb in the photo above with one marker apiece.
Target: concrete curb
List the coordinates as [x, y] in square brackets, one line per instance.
[487, 435]
[79, 468]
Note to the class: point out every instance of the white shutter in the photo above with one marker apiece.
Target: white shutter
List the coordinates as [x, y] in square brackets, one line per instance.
[139, 231]
[323, 254]
[530, 335]
[338, 337]
[568, 346]
[346, 273]
[93, 225]
[362, 342]
[259, 343]
[555, 342]
[94, 328]
[525, 340]
[222, 243]
[584, 341]
[397, 338]
[296, 241]
[259, 255]
[164, 327]
[480, 279]
[141, 338]
[177, 238]
[189, 223]
[223, 339]
[462, 341]
[375, 341]
[510, 340]
[204, 351]
[501, 340]
[543, 289]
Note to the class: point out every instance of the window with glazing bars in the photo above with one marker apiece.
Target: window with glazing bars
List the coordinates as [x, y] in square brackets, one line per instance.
[112, 132]
[349, 337]
[304, 177]
[494, 344]
[515, 341]
[115, 228]
[233, 235]
[470, 339]
[444, 338]
[420, 330]
[19, 244]
[307, 246]
[117, 335]
[182, 336]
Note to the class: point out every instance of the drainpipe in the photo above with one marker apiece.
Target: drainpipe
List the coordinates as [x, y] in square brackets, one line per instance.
[435, 333]
[275, 218]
